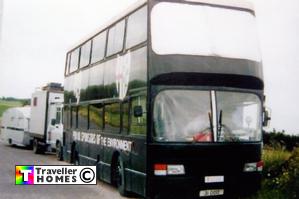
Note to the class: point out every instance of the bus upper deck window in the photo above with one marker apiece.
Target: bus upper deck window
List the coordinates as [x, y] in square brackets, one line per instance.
[98, 47]
[85, 54]
[115, 38]
[137, 27]
[74, 60]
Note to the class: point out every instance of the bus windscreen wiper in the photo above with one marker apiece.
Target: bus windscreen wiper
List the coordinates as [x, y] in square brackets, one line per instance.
[211, 122]
[220, 125]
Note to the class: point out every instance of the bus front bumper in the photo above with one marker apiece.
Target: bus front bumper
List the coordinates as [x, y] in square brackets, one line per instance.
[195, 187]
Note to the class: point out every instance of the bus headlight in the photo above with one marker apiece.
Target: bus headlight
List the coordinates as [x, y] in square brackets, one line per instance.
[255, 166]
[169, 169]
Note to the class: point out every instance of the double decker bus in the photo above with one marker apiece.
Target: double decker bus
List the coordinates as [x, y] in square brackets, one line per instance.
[167, 100]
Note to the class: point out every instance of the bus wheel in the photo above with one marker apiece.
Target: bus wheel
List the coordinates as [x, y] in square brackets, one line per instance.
[76, 162]
[59, 150]
[37, 149]
[75, 157]
[120, 177]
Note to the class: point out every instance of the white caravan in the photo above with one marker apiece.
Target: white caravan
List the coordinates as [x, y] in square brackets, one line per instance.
[46, 119]
[15, 125]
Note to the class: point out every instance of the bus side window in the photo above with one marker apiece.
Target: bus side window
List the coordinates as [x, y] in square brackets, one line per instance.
[85, 54]
[115, 38]
[74, 117]
[74, 60]
[66, 118]
[98, 47]
[125, 117]
[67, 64]
[137, 27]
[138, 124]
[96, 116]
[112, 118]
[82, 117]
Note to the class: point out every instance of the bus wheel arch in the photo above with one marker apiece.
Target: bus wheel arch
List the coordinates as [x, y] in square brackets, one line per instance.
[118, 174]
[114, 160]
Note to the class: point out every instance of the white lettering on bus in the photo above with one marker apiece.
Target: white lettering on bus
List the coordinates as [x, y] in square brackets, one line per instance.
[98, 139]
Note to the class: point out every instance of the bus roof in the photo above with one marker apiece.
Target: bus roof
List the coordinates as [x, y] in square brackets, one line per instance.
[114, 19]
[242, 4]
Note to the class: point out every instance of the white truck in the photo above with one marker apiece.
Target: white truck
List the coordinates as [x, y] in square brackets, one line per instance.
[15, 125]
[46, 126]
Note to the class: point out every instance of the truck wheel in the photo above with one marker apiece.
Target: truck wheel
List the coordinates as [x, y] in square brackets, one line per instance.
[59, 151]
[120, 177]
[37, 149]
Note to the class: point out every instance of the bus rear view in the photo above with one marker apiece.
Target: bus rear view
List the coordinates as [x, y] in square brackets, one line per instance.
[205, 99]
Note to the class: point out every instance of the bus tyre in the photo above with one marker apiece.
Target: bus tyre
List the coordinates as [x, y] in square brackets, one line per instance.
[76, 162]
[120, 177]
[59, 151]
[37, 149]
[75, 158]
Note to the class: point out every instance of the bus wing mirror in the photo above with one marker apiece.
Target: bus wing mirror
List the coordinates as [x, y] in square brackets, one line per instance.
[53, 122]
[138, 111]
[266, 117]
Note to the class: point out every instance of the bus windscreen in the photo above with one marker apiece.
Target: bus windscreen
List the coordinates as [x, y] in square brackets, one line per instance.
[185, 116]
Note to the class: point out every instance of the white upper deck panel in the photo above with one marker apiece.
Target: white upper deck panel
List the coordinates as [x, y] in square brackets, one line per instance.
[204, 30]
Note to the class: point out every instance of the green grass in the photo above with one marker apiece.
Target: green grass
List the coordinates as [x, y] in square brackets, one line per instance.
[274, 157]
[280, 174]
[4, 105]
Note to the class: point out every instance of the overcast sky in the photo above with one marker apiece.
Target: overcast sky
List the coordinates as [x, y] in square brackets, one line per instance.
[36, 34]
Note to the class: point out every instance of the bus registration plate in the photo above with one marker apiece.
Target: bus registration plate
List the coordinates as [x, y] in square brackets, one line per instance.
[211, 192]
